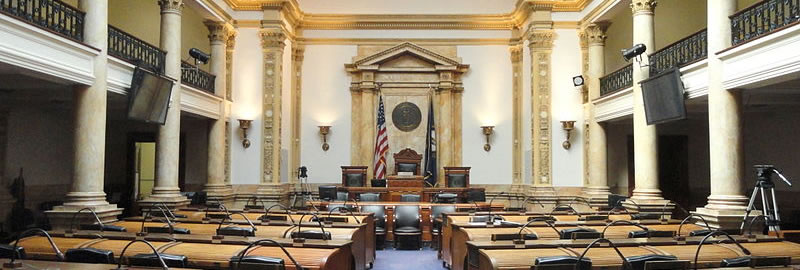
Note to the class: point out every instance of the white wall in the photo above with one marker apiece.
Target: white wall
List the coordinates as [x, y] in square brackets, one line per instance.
[326, 101]
[247, 97]
[486, 99]
[567, 165]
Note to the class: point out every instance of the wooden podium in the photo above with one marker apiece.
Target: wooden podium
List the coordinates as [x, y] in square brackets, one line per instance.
[399, 185]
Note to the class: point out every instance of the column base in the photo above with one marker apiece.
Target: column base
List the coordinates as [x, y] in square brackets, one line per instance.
[543, 197]
[597, 196]
[519, 188]
[170, 197]
[219, 192]
[268, 194]
[61, 217]
[726, 212]
[650, 206]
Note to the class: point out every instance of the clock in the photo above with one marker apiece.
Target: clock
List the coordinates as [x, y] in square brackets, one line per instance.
[577, 80]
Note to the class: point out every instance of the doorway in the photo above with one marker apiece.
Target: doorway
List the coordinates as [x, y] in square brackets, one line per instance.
[673, 168]
[141, 169]
[144, 169]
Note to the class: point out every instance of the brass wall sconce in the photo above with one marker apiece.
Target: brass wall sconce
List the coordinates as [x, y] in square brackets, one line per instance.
[487, 130]
[324, 130]
[245, 125]
[567, 126]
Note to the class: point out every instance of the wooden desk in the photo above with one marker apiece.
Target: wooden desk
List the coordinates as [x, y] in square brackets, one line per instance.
[200, 255]
[32, 264]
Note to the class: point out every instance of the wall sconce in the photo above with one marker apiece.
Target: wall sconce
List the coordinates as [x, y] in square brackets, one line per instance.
[487, 130]
[245, 125]
[567, 126]
[324, 130]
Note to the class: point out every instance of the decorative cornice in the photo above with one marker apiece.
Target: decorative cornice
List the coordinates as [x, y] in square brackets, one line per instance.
[596, 33]
[395, 41]
[410, 48]
[171, 6]
[643, 6]
[217, 31]
[272, 38]
[541, 39]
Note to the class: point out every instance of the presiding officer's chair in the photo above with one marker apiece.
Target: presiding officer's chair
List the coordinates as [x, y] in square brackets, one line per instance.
[407, 224]
[407, 160]
[456, 177]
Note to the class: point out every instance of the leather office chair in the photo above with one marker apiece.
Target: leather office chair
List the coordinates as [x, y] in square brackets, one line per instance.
[89, 255]
[379, 213]
[341, 196]
[407, 167]
[456, 177]
[407, 160]
[407, 224]
[409, 198]
[436, 219]
[354, 176]
[369, 197]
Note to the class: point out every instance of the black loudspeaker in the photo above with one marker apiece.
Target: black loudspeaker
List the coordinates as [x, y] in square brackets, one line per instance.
[258, 262]
[378, 182]
[150, 259]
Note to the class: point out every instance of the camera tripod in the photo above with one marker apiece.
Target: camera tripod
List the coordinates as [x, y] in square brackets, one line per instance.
[764, 184]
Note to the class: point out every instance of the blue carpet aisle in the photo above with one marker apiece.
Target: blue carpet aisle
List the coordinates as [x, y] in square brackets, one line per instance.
[390, 259]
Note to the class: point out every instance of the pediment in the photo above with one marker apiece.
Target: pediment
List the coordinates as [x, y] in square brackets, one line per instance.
[406, 52]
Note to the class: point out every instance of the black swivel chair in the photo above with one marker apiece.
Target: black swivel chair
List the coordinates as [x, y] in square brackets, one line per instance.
[379, 213]
[436, 218]
[327, 193]
[341, 196]
[409, 198]
[369, 197]
[476, 195]
[407, 224]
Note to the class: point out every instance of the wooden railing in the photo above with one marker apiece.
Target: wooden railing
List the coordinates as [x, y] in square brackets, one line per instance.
[136, 51]
[762, 19]
[617, 80]
[53, 15]
[197, 78]
[681, 53]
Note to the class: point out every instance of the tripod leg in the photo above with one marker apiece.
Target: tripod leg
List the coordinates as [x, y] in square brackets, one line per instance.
[767, 210]
[777, 227]
[750, 207]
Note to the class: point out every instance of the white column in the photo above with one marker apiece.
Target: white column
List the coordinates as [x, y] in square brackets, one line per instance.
[216, 188]
[90, 127]
[597, 190]
[727, 202]
[166, 188]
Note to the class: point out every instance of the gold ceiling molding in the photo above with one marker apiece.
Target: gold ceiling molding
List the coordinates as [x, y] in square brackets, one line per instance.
[394, 41]
[514, 19]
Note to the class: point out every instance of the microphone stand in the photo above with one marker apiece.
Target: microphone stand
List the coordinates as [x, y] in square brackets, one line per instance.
[714, 233]
[158, 255]
[259, 242]
[340, 209]
[300, 227]
[266, 212]
[245, 218]
[625, 261]
[491, 218]
[72, 222]
[12, 264]
[603, 234]
[687, 218]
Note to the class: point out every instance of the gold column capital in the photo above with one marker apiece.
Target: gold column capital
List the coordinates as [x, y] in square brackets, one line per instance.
[596, 34]
[516, 53]
[230, 41]
[217, 31]
[541, 39]
[643, 6]
[272, 38]
[171, 6]
[298, 52]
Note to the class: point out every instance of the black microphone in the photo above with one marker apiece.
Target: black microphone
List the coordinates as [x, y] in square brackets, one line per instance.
[717, 232]
[72, 222]
[707, 231]
[625, 261]
[17, 254]
[603, 234]
[241, 257]
[491, 218]
[299, 238]
[158, 255]
[340, 209]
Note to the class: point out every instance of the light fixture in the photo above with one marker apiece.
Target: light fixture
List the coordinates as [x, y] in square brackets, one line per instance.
[199, 56]
[245, 125]
[324, 130]
[577, 80]
[487, 130]
[635, 51]
[567, 126]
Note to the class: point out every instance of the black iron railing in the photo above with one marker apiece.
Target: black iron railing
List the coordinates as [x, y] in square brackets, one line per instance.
[129, 48]
[197, 78]
[763, 18]
[617, 80]
[681, 53]
[52, 15]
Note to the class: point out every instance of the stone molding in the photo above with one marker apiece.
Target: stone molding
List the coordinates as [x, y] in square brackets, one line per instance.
[596, 34]
[541, 40]
[171, 6]
[272, 38]
[541, 43]
[643, 6]
[217, 31]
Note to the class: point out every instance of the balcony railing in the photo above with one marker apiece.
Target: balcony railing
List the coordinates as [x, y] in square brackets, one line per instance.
[129, 48]
[197, 78]
[763, 18]
[681, 53]
[53, 15]
[617, 80]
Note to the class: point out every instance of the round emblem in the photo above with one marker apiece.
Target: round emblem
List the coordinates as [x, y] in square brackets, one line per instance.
[406, 116]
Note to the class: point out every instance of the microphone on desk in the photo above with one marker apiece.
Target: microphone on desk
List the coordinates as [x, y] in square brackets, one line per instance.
[261, 262]
[18, 251]
[235, 230]
[625, 261]
[707, 231]
[298, 236]
[155, 252]
[645, 229]
[491, 218]
[267, 217]
[356, 203]
[564, 206]
[340, 209]
[714, 233]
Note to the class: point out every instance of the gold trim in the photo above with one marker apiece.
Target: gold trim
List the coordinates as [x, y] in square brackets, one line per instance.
[567, 25]
[394, 41]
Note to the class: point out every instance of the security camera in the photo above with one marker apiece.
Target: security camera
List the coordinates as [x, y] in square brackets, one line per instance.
[199, 56]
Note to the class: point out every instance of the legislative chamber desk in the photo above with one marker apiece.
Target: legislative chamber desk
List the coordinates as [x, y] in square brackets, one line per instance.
[31, 264]
[486, 255]
[396, 186]
[201, 253]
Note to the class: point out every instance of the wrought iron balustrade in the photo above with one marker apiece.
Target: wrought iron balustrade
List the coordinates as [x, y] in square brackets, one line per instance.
[197, 78]
[681, 53]
[763, 18]
[129, 48]
[617, 80]
[53, 15]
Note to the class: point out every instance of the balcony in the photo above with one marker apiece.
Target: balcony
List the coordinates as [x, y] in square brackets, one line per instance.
[135, 51]
[680, 53]
[763, 18]
[52, 15]
[617, 80]
[197, 78]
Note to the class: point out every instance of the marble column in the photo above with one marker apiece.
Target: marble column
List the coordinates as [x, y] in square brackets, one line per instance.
[596, 190]
[726, 205]
[517, 185]
[216, 188]
[540, 43]
[166, 188]
[297, 88]
[647, 194]
[272, 45]
[90, 128]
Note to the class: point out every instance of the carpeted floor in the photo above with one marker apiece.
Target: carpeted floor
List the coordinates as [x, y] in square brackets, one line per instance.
[390, 259]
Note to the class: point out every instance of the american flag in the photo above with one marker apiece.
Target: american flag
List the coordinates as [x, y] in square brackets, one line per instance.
[381, 144]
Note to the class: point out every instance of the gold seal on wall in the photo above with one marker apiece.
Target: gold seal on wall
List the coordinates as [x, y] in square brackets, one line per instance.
[406, 116]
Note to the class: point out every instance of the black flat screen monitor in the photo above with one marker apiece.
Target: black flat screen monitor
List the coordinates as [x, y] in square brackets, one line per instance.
[663, 97]
[149, 97]
[327, 193]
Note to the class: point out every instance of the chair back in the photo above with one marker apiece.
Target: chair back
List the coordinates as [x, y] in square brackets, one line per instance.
[327, 193]
[456, 177]
[369, 197]
[379, 213]
[409, 198]
[341, 196]
[407, 160]
[354, 176]
[437, 210]
[406, 216]
[476, 195]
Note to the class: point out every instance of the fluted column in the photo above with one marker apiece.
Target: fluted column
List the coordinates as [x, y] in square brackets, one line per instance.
[597, 187]
[90, 127]
[272, 45]
[647, 194]
[216, 188]
[516, 104]
[166, 188]
[727, 202]
[540, 43]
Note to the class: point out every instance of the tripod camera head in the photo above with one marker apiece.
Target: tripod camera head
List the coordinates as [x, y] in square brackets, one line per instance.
[764, 175]
[303, 172]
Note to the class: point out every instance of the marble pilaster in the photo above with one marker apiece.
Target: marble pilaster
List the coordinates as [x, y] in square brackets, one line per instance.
[517, 185]
[296, 111]
[540, 43]
[272, 46]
